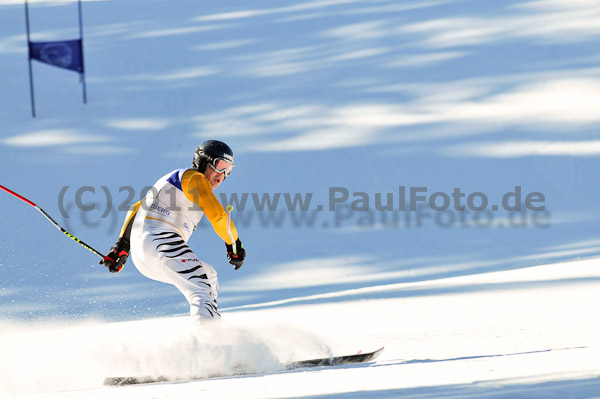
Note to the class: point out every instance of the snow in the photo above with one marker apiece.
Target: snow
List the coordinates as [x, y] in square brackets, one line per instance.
[319, 98]
[528, 332]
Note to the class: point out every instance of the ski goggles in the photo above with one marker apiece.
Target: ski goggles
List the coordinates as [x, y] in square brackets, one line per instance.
[220, 165]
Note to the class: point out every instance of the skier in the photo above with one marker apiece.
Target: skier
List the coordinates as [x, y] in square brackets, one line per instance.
[157, 229]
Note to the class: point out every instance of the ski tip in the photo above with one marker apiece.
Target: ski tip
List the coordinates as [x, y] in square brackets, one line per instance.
[378, 352]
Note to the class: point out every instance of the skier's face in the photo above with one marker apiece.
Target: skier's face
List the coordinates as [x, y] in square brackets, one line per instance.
[214, 178]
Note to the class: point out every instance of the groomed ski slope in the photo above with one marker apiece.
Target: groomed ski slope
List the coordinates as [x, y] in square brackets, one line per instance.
[528, 333]
[327, 102]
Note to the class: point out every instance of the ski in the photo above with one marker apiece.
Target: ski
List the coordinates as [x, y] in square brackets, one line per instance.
[336, 360]
[321, 362]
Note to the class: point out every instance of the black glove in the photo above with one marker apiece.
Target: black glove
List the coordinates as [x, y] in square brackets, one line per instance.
[236, 260]
[117, 256]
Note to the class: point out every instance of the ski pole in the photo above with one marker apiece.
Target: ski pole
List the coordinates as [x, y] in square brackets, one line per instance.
[65, 232]
[229, 209]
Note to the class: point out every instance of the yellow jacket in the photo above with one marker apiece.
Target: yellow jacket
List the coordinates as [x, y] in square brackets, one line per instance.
[177, 202]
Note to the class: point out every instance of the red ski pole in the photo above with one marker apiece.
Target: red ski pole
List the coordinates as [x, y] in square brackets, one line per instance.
[65, 232]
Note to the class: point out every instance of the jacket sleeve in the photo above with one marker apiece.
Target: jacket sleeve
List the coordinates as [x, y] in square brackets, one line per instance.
[126, 229]
[198, 190]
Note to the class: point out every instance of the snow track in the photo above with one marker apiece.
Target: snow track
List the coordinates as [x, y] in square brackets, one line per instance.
[484, 98]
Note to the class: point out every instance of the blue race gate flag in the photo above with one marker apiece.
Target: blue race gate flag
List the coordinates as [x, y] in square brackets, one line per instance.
[66, 54]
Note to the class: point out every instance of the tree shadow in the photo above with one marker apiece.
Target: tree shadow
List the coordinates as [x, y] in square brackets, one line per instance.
[315, 95]
[558, 388]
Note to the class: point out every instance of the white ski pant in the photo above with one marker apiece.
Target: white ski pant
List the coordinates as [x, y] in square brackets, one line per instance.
[164, 256]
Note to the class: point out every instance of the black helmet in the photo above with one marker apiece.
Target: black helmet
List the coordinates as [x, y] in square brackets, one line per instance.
[209, 152]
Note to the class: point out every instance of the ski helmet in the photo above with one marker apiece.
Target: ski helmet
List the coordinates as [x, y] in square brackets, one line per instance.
[210, 152]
